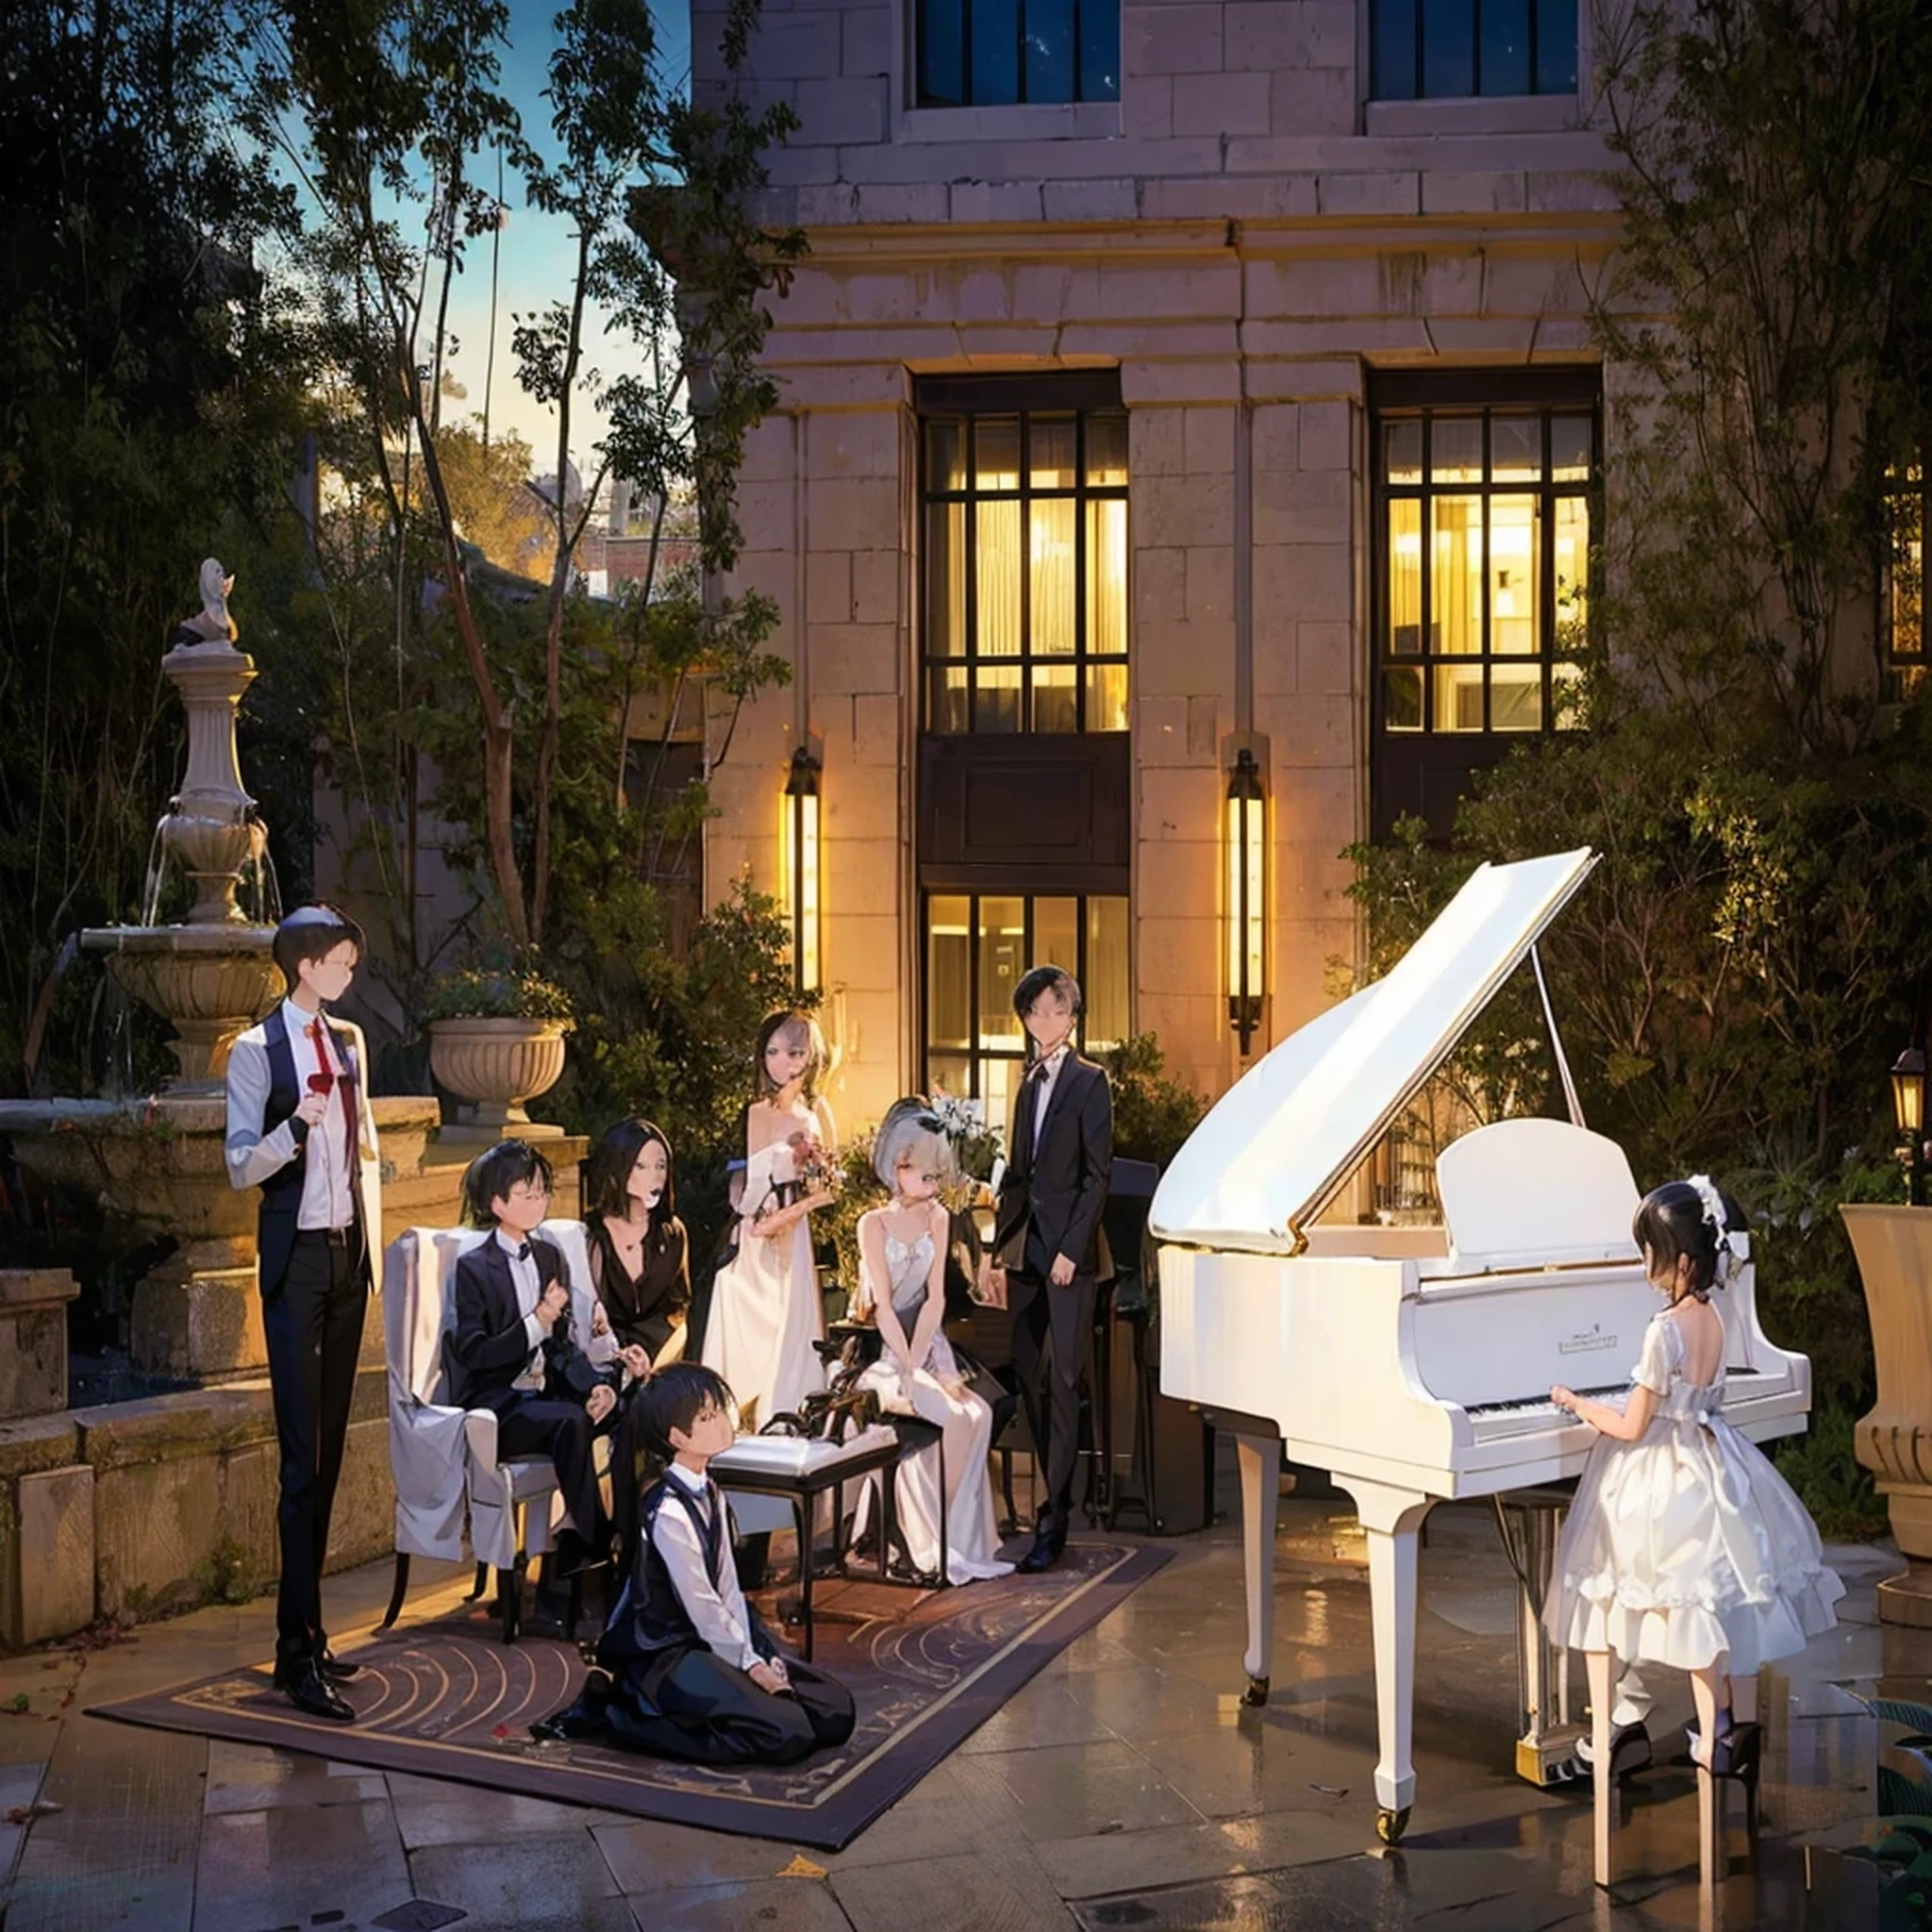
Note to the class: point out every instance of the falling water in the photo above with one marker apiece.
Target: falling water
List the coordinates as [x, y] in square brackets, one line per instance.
[157, 864]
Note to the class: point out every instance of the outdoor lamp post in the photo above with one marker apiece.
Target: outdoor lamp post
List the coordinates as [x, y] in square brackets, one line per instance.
[1247, 835]
[1909, 1110]
[798, 844]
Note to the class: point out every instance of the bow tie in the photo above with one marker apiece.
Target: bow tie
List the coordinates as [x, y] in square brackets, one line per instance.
[1041, 1072]
[522, 1251]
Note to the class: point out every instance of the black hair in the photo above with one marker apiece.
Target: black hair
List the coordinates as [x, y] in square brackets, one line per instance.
[1669, 1222]
[671, 1399]
[1038, 979]
[494, 1173]
[312, 932]
[774, 1024]
[606, 1176]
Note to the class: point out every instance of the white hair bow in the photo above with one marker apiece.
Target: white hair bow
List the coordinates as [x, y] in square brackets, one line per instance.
[1733, 1244]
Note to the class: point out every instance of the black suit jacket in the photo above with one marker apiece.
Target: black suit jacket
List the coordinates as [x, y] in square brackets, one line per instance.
[484, 1352]
[1054, 1189]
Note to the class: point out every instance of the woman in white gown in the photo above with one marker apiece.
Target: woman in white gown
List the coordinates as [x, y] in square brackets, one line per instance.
[902, 1252]
[1685, 1547]
[765, 1308]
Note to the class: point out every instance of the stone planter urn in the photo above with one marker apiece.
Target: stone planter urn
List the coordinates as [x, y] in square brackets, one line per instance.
[1893, 1245]
[495, 1067]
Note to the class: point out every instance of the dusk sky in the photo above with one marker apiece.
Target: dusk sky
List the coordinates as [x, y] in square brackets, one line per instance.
[537, 250]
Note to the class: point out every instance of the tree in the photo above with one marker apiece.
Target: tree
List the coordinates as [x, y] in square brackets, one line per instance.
[388, 112]
[490, 499]
[153, 403]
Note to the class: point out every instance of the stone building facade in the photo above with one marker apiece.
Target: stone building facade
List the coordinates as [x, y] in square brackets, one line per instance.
[1211, 375]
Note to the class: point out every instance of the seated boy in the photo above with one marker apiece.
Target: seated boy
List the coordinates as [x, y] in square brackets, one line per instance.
[693, 1673]
[510, 1349]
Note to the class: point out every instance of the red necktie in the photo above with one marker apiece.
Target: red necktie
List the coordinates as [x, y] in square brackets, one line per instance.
[328, 1079]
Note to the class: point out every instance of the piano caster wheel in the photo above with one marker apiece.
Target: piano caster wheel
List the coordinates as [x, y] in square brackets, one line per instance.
[1256, 1694]
[1390, 1825]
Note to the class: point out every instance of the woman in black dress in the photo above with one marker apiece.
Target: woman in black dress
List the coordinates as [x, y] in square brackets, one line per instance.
[641, 1274]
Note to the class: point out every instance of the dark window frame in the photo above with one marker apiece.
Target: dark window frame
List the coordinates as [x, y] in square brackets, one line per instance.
[974, 1054]
[920, 34]
[1381, 82]
[1399, 395]
[967, 400]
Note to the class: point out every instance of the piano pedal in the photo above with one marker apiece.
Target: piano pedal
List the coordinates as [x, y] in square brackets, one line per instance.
[1549, 1758]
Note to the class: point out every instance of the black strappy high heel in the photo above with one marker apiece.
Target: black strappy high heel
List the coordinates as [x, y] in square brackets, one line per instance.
[1736, 1753]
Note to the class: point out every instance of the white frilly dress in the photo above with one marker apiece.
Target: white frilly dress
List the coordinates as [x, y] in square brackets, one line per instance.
[1686, 1547]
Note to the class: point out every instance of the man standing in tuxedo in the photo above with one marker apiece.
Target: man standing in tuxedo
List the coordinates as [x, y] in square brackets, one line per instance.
[1049, 1252]
[300, 1128]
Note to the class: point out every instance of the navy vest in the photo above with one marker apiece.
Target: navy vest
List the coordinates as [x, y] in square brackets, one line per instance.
[650, 1617]
[281, 1192]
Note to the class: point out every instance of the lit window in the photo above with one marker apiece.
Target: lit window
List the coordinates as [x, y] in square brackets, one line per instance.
[1903, 585]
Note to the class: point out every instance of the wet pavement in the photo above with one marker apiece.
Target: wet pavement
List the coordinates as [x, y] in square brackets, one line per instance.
[1122, 1790]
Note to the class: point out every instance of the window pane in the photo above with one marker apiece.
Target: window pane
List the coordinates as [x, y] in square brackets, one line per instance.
[1050, 449]
[1002, 960]
[950, 712]
[1106, 449]
[1049, 50]
[1458, 697]
[1100, 50]
[1555, 46]
[1516, 448]
[1516, 698]
[946, 580]
[945, 452]
[1402, 452]
[1106, 697]
[997, 576]
[1448, 48]
[996, 452]
[941, 49]
[949, 973]
[1515, 580]
[1106, 983]
[1391, 30]
[995, 52]
[1107, 577]
[1572, 570]
[1566, 694]
[996, 702]
[1506, 47]
[1455, 584]
[1906, 575]
[949, 1075]
[1402, 699]
[999, 1080]
[1405, 576]
[1455, 449]
[1056, 933]
[1055, 697]
[1054, 577]
[1570, 449]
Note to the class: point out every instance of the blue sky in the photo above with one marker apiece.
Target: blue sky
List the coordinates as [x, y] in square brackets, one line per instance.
[536, 250]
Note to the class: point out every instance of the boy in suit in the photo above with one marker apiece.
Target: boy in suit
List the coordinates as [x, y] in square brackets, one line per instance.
[692, 1672]
[511, 1349]
[300, 1128]
[1049, 1251]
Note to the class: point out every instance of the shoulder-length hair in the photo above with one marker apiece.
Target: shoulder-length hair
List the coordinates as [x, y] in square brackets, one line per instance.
[800, 1029]
[606, 1176]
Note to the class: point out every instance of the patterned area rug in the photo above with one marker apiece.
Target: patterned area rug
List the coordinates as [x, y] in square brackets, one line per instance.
[449, 1699]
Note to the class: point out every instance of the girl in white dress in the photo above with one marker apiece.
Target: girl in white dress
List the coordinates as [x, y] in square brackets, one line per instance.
[902, 1285]
[1684, 1546]
[765, 1308]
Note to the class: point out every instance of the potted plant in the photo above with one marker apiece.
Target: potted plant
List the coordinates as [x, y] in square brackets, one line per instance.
[496, 1040]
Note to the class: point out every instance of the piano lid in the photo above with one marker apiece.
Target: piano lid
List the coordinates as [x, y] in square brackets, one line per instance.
[1279, 1144]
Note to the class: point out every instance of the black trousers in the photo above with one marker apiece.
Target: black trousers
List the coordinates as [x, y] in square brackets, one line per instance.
[313, 1327]
[1053, 1338]
[692, 1706]
[560, 1427]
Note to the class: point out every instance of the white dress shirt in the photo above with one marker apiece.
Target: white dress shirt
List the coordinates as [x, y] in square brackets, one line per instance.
[529, 1287]
[329, 1189]
[717, 1610]
[1043, 1075]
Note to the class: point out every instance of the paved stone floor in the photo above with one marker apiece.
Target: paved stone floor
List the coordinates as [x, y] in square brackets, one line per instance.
[1122, 1788]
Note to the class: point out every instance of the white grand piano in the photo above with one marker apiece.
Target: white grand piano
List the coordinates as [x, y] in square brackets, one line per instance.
[1414, 1363]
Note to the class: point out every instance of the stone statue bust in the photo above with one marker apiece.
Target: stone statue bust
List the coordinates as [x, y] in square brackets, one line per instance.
[210, 624]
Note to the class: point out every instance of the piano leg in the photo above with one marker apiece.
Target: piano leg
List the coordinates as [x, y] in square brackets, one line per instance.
[1391, 1517]
[1259, 1457]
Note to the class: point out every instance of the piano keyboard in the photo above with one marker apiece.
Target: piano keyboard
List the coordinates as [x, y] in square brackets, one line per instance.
[1493, 1419]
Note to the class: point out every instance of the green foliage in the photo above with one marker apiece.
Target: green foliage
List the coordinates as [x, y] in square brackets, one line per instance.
[1153, 1114]
[485, 992]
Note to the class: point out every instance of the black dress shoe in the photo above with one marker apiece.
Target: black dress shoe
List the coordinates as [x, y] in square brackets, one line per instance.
[571, 1557]
[1044, 1553]
[309, 1690]
[338, 1670]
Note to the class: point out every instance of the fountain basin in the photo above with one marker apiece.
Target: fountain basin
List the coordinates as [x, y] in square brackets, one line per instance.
[210, 982]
